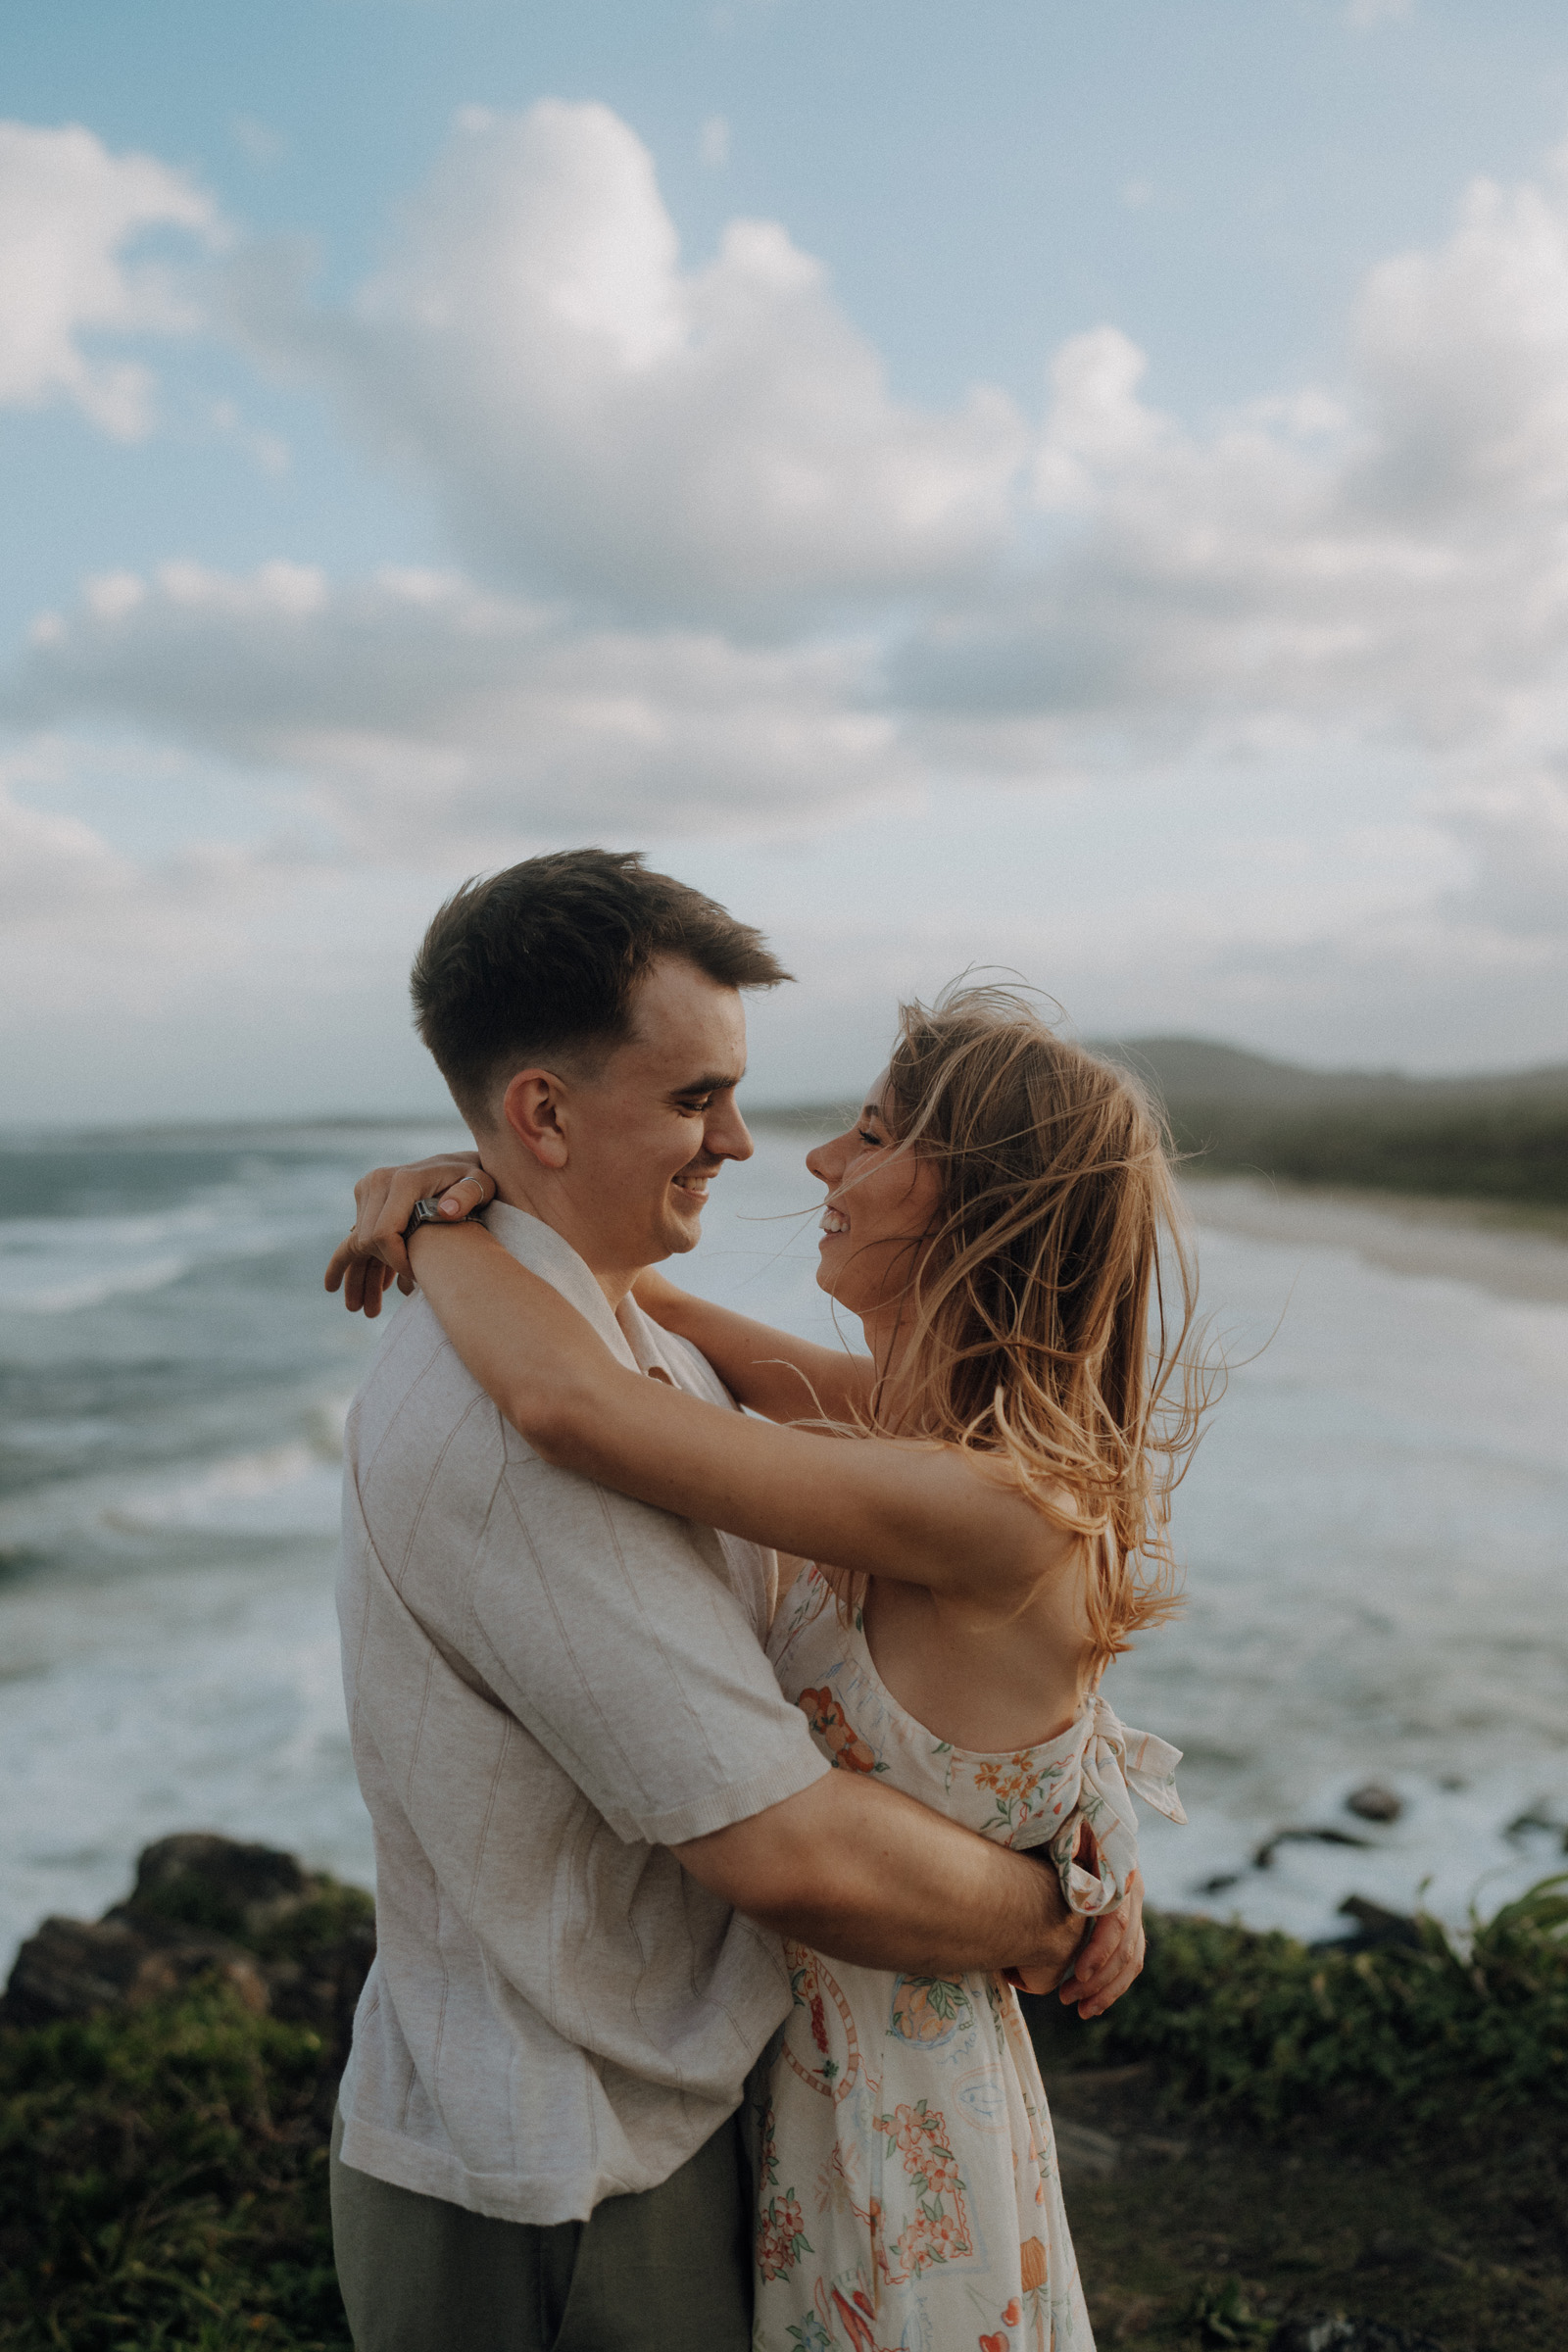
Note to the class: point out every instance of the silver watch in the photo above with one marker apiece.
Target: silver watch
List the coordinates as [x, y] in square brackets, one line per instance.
[428, 1212]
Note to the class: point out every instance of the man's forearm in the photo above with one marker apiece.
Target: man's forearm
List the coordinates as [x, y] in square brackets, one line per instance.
[864, 1873]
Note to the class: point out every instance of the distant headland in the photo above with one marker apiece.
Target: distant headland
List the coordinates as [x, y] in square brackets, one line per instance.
[1498, 1138]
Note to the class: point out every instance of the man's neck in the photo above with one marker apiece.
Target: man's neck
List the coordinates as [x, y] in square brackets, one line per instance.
[554, 1208]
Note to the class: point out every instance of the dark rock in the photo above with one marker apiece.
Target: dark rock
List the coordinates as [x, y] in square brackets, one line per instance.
[76, 1966]
[1265, 1856]
[1378, 1929]
[199, 1880]
[199, 1901]
[1375, 1802]
[1523, 1824]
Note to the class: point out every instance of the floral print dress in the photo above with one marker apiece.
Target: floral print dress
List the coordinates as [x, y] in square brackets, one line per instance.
[909, 2193]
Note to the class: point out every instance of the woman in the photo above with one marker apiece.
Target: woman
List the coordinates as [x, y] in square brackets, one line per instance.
[985, 1496]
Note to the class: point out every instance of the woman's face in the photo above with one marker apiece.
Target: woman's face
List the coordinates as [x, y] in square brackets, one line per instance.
[881, 1204]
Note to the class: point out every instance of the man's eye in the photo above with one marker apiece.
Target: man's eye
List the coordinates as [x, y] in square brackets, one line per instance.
[698, 1106]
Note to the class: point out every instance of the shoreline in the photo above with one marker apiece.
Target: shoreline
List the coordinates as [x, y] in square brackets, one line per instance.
[1514, 1253]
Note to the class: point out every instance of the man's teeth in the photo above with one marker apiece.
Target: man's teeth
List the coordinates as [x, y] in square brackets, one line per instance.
[833, 1222]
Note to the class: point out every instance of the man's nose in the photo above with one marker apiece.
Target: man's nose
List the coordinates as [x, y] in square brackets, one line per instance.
[727, 1135]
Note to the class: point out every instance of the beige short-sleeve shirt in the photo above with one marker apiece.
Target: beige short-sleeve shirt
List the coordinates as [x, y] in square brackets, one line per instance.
[548, 1686]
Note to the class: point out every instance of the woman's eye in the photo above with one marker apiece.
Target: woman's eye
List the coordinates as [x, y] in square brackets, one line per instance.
[866, 1137]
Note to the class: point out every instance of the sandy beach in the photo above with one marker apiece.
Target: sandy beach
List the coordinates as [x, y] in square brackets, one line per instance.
[1447, 1241]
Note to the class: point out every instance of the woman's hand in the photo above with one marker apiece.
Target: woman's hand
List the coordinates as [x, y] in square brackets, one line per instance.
[373, 1256]
[1110, 1957]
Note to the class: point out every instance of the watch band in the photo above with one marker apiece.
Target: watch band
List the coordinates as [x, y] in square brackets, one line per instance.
[428, 1212]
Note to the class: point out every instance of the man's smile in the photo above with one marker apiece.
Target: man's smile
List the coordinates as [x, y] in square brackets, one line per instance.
[694, 1183]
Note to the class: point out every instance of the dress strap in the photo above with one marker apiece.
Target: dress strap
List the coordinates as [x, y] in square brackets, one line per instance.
[1114, 1762]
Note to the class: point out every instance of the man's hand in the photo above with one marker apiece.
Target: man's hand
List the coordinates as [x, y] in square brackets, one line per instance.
[373, 1256]
[1106, 1962]
[861, 1871]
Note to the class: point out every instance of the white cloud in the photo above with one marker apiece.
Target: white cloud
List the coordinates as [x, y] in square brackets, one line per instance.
[746, 592]
[414, 710]
[1385, 569]
[68, 210]
[593, 417]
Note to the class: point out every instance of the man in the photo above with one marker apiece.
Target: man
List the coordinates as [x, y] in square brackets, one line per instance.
[594, 1812]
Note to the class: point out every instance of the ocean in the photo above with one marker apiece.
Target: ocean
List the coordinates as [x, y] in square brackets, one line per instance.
[1374, 1533]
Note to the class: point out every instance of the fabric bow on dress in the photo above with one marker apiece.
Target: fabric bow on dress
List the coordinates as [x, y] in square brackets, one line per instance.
[1112, 1764]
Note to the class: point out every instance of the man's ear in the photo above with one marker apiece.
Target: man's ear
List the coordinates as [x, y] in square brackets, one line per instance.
[531, 1109]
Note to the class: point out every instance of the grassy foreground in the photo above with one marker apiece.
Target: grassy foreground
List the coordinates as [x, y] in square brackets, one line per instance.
[163, 2167]
[1270, 2132]
[1264, 2132]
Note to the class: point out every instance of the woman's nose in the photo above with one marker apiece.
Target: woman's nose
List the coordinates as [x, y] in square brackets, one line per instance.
[825, 1161]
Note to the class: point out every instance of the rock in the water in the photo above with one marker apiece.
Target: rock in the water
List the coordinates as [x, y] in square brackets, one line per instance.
[1264, 1858]
[1374, 1802]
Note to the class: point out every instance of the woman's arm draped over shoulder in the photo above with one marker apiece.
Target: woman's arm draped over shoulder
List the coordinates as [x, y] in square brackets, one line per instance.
[919, 1514]
[772, 1372]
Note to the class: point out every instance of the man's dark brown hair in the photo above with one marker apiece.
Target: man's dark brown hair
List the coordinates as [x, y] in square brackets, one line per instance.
[543, 960]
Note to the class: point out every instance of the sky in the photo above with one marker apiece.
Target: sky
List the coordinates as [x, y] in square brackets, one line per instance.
[1075, 491]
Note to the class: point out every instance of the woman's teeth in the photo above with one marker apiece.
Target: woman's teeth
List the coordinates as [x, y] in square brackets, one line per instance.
[833, 1222]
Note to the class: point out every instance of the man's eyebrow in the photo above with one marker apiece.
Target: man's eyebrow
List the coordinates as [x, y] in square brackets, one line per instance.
[714, 1084]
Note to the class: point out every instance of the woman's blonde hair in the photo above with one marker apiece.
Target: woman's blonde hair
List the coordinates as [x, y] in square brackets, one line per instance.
[1052, 1303]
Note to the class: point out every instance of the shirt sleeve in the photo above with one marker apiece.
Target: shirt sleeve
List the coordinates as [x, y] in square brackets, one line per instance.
[610, 1631]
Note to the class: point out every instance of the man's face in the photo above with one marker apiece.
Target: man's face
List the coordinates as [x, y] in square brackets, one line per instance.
[647, 1133]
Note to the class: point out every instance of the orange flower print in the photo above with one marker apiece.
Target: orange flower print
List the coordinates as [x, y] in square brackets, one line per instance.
[929, 2009]
[1012, 1782]
[939, 2231]
[781, 2237]
[831, 1727]
[1013, 1776]
[1032, 2265]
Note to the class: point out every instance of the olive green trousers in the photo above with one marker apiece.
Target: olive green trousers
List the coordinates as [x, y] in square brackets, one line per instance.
[665, 2271]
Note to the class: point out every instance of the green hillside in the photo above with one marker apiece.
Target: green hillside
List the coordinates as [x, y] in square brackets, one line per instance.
[1493, 1137]
[1500, 1137]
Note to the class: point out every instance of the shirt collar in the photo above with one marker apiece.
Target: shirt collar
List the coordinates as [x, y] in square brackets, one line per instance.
[629, 1336]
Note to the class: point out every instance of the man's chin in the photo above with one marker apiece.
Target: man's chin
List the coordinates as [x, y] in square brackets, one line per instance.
[683, 1230]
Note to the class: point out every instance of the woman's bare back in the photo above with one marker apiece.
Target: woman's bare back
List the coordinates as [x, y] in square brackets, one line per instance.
[983, 1679]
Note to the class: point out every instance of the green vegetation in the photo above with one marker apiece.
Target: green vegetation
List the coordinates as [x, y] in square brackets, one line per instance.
[1382, 2131]
[1508, 1152]
[1501, 1139]
[1489, 1139]
[162, 2167]
[1263, 2029]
